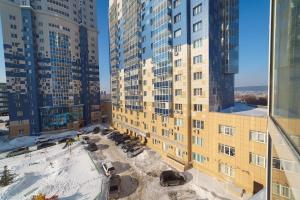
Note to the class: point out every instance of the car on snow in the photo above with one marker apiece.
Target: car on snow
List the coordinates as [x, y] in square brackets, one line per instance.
[106, 131]
[122, 139]
[18, 151]
[96, 130]
[134, 151]
[171, 178]
[114, 186]
[92, 147]
[108, 168]
[45, 145]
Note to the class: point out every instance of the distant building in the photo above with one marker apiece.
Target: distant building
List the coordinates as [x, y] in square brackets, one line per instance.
[3, 100]
[51, 61]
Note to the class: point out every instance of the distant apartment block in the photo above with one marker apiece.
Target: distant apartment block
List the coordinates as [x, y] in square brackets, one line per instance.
[51, 60]
[172, 85]
[3, 100]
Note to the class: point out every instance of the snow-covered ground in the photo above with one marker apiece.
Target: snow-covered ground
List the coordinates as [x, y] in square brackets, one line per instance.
[140, 176]
[70, 174]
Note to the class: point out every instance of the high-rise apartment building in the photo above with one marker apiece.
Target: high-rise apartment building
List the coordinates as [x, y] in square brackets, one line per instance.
[51, 60]
[3, 100]
[284, 104]
[172, 83]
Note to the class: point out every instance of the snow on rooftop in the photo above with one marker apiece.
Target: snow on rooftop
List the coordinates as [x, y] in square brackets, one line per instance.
[70, 175]
[244, 109]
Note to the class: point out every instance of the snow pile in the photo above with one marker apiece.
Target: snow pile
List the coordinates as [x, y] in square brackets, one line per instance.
[69, 174]
[4, 118]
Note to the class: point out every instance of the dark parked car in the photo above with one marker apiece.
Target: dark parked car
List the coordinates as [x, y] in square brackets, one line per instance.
[96, 130]
[86, 138]
[18, 151]
[122, 139]
[106, 131]
[171, 178]
[92, 147]
[114, 186]
[134, 151]
[45, 145]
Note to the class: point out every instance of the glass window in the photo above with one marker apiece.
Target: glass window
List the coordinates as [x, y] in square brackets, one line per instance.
[197, 26]
[177, 18]
[197, 9]
[177, 33]
[286, 68]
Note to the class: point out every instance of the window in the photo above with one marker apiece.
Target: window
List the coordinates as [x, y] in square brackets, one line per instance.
[198, 158]
[226, 130]
[257, 159]
[165, 146]
[178, 122]
[197, 26]
[197, 91]
[197, 107]
[177, 48]
[285, 165]
[225, 149]
[177, 18]
[176, 3]
[197, 9]
[197, 43]
[178, 92]
[226, 170]
[178, 63]
[198, 124]
[197, 59]
[178, 107]
[165, 132]
[178, 137]
[178, 77]
[179, 153]
[197, 141]
[197, 75]
[281, 190]
[177, 33]
[145, 93]
[257, 136]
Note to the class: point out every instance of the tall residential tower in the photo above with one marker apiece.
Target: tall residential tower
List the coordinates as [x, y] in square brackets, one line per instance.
[172, 77]
[51, 60]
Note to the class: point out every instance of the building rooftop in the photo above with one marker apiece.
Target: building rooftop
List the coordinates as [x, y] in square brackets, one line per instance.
[245, 109]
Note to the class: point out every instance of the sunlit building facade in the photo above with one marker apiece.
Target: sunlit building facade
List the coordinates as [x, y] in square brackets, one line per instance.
[51, 61]
[172, 78]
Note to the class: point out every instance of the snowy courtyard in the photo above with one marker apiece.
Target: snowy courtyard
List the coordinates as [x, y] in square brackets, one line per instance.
[68, 173]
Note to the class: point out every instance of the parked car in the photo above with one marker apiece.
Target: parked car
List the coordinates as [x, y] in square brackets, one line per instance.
[114, 186]
[112, 134]
[108, 168]
[106, 131]
[171, 178]
[122, 139]
[92, 147]
[134, 151]
[45, 145]
[130, 147]
[96, 130]
[18, 151]
[42, 139]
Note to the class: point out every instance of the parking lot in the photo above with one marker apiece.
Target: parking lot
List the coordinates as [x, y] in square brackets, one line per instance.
[140, 174]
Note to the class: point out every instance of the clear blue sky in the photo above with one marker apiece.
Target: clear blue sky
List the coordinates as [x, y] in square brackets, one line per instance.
[254, 25]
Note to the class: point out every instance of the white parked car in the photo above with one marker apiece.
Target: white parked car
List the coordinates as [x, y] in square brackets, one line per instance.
[108, 168]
